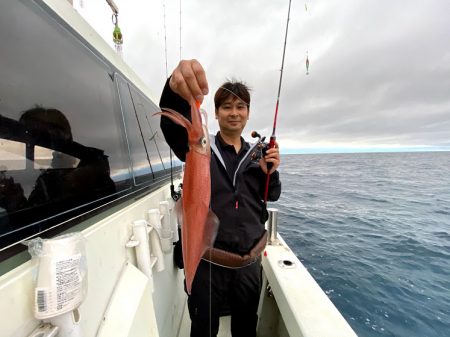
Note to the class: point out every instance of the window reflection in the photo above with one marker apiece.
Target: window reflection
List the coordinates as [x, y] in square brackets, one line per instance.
[67, 174]
[56, 168]
[12, 154]
[45, 158]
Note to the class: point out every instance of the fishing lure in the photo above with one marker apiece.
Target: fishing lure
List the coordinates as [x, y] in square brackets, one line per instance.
[117, 35]
[307, 64]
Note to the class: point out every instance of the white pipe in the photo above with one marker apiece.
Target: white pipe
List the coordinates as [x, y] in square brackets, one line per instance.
[157, 251]
[143, 249]
[68, 323]
[173, 220]
[272, 226]
[166, 218]
[154, 218]
[166, 226]
[45, 330]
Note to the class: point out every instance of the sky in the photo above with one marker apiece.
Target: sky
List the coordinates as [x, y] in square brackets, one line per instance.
[379, 74]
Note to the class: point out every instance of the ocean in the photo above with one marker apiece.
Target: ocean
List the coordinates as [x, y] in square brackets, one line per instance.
[373, 229]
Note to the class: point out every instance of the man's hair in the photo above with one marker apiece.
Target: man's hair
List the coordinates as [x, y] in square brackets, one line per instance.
[50, 121]
[234, 88]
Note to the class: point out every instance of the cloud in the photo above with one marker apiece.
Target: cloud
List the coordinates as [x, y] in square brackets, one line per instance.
[379, 72]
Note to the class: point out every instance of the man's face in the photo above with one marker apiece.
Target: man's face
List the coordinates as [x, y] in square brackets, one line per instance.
[232, 115]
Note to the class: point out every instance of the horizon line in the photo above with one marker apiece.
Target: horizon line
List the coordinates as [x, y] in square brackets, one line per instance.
[362, 150]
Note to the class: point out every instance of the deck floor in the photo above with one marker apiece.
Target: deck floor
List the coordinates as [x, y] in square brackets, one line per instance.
[185, 329]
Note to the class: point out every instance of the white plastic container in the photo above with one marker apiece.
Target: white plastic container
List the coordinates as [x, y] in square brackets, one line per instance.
[61, 282]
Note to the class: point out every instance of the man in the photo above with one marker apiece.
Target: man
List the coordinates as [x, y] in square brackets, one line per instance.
[237, 190]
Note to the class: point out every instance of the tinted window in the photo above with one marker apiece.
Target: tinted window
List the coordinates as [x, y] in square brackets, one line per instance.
[149, 153]
[140, 160]
[144, 112]
[61, 142]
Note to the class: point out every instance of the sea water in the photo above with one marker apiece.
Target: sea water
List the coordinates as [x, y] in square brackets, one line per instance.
[374, 231]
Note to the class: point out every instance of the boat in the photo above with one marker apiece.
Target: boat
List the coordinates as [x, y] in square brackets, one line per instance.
[85, 175]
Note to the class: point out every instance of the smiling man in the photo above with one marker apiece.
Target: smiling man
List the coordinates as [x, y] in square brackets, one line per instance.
[228, 279]
[232, 102]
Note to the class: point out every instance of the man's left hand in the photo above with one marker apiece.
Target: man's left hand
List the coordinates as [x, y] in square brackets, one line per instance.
[272, 156]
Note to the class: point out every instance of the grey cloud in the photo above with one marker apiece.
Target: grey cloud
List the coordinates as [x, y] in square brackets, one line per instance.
[379, 72]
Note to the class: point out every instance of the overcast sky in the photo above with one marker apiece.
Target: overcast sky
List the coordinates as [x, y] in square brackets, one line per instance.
[379, 75]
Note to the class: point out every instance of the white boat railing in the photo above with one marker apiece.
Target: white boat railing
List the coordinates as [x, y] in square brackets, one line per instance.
[292, 303]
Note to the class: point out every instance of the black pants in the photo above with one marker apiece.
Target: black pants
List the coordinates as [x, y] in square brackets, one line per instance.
[213, 288]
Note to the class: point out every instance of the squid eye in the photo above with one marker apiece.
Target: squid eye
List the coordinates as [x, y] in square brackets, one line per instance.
[203, 141]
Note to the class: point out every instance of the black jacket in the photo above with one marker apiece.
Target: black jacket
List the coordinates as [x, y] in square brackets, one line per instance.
[237, 202]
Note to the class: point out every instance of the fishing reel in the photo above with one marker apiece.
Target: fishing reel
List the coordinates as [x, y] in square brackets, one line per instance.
[176, 195]
[260, 148]
[259, 153]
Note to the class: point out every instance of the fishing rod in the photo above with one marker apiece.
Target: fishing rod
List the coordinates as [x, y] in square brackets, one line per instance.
[273, 137]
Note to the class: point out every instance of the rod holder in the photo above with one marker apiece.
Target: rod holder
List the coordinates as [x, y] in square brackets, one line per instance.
[142, 246]
[45, 330]
[272, 226]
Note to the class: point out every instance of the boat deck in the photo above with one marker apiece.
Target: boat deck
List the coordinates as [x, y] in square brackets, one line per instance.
[185, 327]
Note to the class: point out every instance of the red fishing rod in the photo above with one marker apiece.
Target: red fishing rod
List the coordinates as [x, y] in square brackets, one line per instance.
[273, 137]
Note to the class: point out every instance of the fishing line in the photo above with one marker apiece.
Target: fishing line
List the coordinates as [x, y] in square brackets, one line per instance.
[165, 35]
[180, 30]
[271, 144]
[176, 195]
[234, 94]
